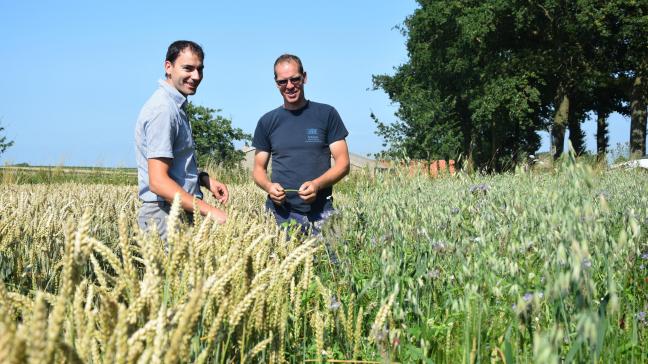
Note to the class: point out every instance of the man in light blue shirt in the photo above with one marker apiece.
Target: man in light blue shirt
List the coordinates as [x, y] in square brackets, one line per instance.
[165, 150]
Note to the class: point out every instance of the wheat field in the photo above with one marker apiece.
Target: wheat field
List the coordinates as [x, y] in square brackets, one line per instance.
[522, 267]
[83, 284]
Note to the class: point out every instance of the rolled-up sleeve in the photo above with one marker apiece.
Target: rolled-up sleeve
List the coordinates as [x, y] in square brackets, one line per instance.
[159, 132]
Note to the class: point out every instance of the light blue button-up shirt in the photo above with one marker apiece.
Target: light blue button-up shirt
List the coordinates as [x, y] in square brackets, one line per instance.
[163, 131]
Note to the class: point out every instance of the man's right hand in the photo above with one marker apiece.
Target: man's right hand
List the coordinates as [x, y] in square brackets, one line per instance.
[276, 193]
[217, 215]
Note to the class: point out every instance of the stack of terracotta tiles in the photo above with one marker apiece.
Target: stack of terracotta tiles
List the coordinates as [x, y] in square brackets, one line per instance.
[434, 168]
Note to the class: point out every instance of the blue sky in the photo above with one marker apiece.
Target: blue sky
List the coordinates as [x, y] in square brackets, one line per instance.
[76, 73]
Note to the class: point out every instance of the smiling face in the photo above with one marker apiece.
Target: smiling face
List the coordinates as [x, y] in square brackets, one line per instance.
[291, 84]
[185, 73]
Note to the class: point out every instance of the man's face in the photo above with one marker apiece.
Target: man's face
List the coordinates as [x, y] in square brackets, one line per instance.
[290, 83]
[185, 73]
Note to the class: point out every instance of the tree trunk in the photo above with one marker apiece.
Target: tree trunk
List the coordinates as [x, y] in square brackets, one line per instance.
[467, 131]
[560, 121]
[576, 134]
[494, 145]
[602, 138]
[638, 118]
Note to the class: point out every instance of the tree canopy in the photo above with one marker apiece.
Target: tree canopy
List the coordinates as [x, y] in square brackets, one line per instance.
[483, 77]
[214, 136]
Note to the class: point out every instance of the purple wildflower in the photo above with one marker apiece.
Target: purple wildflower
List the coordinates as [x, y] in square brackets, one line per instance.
[439, 246]
[482, 187]
[605, 194]
[434, 274]
[644, 256]
[335, 304]
[527, 297]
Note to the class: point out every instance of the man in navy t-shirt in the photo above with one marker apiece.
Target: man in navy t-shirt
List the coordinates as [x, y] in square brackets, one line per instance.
[301, 136]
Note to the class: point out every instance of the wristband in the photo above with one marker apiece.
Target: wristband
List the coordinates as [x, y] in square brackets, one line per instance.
[202, 174]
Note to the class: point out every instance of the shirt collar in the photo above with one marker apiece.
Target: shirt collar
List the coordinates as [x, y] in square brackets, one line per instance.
[175, 95]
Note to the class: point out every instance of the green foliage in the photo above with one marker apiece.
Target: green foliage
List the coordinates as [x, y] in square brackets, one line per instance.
[620, 153]
[4, 144]
[519, 267]
[24, 174]
[483, 77]
[528, 267]
[214, 136]
[234, 175]
[464, 91]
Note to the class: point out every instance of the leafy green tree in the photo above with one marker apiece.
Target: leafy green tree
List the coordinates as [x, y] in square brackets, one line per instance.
[483, 77]
[463, 90]
[214, 136]
[4, 143]
[599, 52]
[632, 24]
[425, 128]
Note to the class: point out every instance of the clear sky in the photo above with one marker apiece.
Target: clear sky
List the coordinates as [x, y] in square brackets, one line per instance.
[76, 73]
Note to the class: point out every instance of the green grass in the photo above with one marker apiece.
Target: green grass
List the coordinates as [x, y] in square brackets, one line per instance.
[536, 267]
[65, 174]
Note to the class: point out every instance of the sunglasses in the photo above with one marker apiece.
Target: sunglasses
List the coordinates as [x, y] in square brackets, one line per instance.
[294, 80]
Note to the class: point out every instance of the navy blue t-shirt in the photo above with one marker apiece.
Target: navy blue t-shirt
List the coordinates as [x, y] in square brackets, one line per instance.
[298, 141]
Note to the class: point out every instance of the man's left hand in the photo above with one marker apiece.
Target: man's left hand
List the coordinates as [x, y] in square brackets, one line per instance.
[308, 191]
[218, 190]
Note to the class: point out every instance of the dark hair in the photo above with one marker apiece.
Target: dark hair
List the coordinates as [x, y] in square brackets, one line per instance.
[287, 58]
[180, 45]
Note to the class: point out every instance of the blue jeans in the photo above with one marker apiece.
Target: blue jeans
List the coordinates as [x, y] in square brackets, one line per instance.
[312, 220]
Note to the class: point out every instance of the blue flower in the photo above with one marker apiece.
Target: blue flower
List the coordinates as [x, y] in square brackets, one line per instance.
[335, 304]
[438, 246]
[527, 297]
[482, 187]
[644, 256]
[435, 273]
[605, 194]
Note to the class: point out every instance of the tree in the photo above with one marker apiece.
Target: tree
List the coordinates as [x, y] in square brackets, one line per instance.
[632, 23]
[464, 90]
[483, 77]
[214, 137]
[4, 144]
[609, 39]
